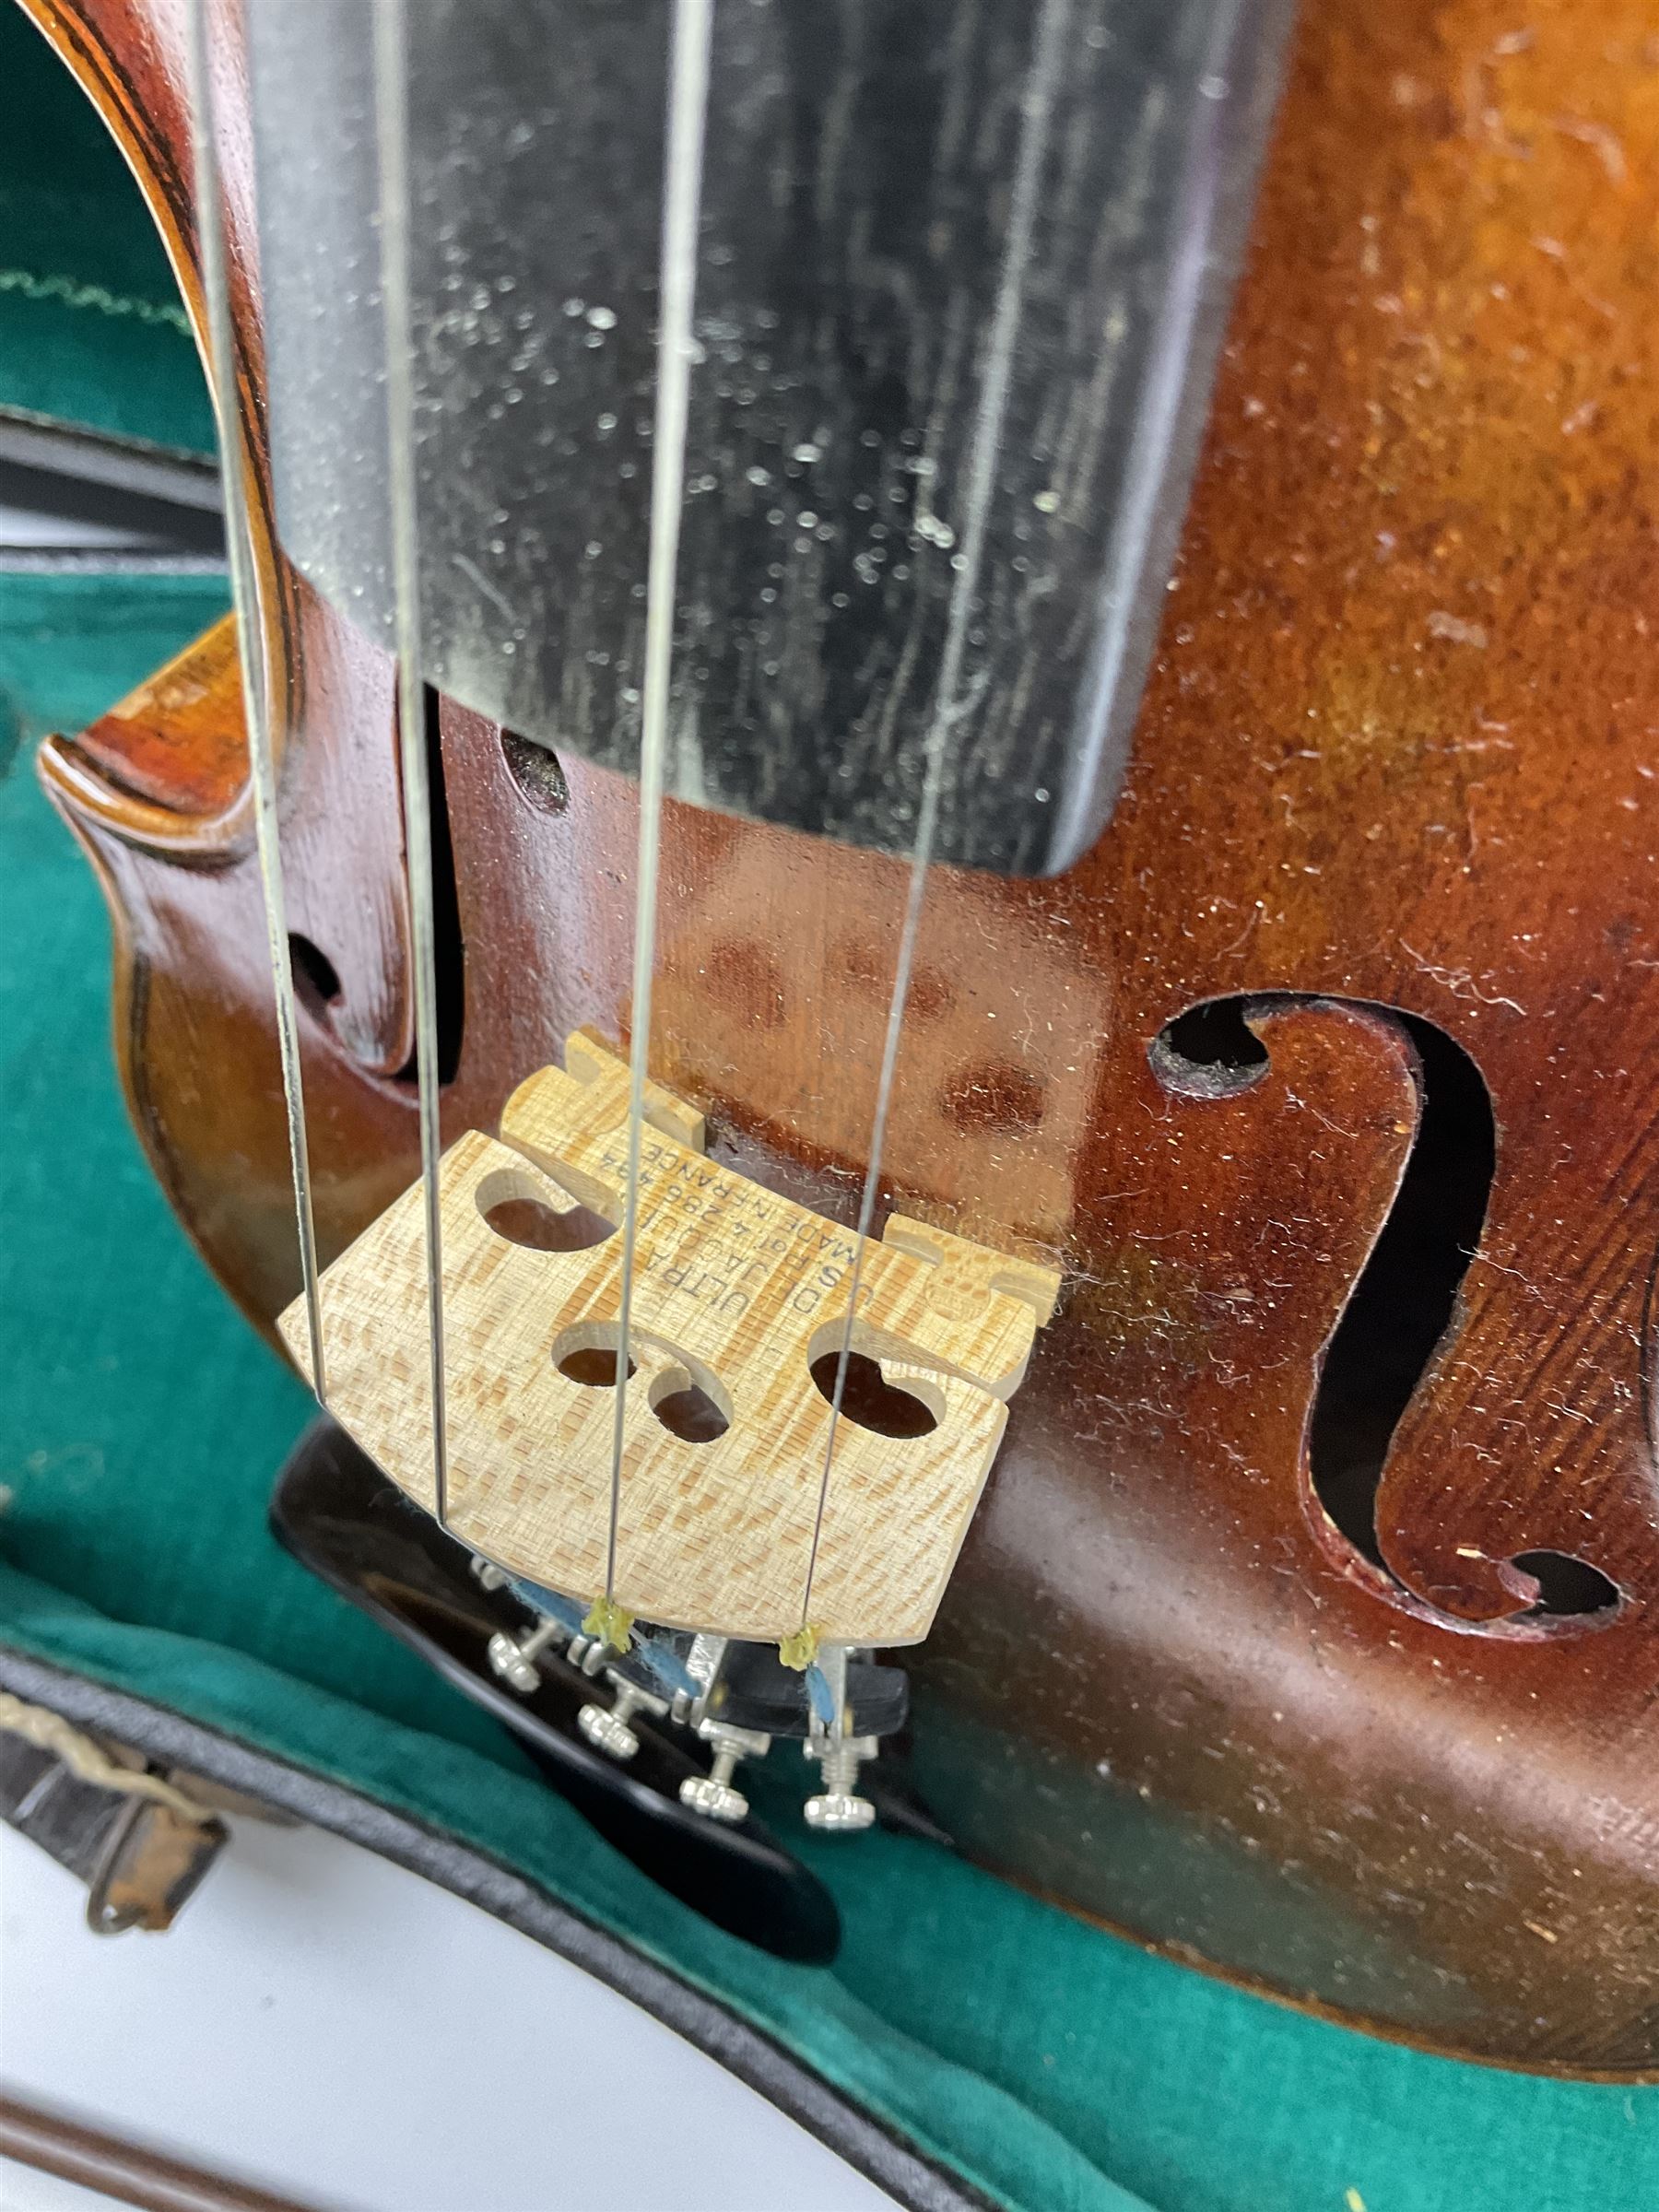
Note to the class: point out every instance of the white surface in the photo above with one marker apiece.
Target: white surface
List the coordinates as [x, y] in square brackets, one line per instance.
[24, 2190]
[326, 2024]
[22, 526]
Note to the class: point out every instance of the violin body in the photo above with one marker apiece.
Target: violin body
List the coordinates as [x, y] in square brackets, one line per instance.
[1306, 1629]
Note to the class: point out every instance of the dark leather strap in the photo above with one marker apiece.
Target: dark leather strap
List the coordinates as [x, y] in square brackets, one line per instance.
[140, 1861]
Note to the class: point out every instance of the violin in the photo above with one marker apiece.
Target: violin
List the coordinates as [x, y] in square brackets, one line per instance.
[895, 1041]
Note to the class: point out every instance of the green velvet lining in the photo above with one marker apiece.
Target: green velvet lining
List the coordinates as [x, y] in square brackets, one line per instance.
[91, 331]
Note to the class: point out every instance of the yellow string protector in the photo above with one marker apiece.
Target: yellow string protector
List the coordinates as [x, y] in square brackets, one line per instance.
[798, 1652]
[610, 1624]
[737, 1291]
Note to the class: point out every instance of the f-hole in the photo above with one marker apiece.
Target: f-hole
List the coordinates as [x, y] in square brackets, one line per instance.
[1405, 1298]
[449, 954]
[1406, 1295]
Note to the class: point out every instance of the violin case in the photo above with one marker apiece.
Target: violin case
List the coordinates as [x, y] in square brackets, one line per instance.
[969, 2045]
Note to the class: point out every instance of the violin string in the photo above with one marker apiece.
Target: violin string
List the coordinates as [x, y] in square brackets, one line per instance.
[1037, 104]
[212, 222]
[391, 141]
[682, 190]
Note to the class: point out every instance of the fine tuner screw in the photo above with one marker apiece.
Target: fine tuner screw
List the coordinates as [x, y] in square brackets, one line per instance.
[839, 1810]
[606, 1728]
[712, 1794]
[515, 1662]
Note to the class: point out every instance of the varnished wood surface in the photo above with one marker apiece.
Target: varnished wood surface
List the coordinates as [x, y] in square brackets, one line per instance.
[1399, 753]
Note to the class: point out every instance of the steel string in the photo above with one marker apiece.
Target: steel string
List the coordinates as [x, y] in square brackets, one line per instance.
[212, 225]
[682, 189]
[392, 147]
[1037, 102]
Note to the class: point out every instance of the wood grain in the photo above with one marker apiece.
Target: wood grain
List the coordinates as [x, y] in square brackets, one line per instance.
[737, 1292]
